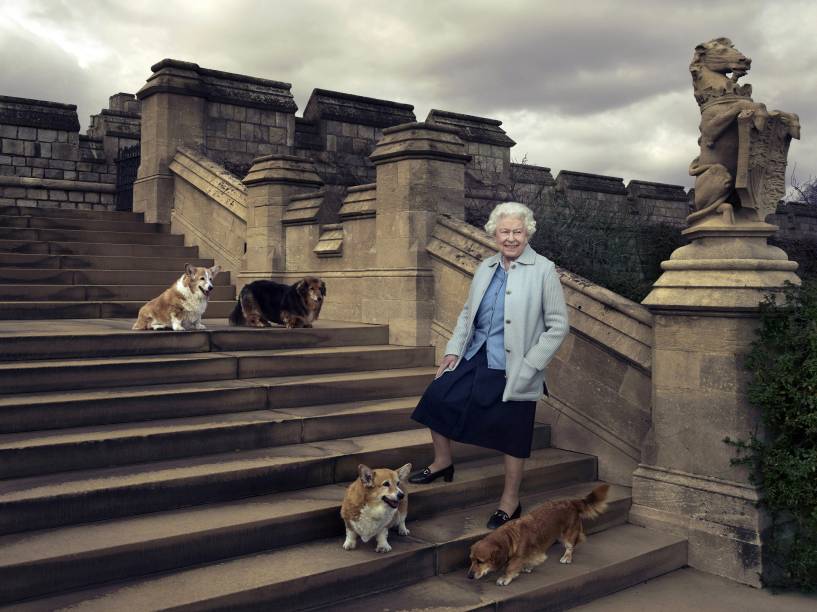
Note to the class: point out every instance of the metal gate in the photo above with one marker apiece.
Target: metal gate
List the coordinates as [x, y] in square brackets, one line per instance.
[127, 165]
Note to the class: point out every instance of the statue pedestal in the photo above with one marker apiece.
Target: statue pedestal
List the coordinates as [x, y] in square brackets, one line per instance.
[705, 308]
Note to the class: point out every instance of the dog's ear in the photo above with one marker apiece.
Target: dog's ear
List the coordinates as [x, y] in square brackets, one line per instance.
[189, 270]
[403, 472]
[302, 288]
[498, 556]
[366, 475]
[214, 271]
[323, 288]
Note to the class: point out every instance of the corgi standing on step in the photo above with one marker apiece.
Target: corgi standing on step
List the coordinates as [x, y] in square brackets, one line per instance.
[182, 305]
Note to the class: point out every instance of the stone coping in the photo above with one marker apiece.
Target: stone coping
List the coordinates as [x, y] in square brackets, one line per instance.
[211, 179]
[329, 105]
[34, 102]
[585, 181]
[117, 113]
[39, 183]
[657, 191]
[230, 76]
[472, 128]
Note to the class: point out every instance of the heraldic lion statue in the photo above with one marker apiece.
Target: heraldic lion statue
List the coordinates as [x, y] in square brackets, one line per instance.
[724, 104]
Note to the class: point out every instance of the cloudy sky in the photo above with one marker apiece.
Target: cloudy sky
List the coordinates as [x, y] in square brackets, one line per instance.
[583, 85]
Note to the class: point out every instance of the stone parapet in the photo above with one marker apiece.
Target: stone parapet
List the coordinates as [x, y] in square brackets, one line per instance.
[360, 203]
[38, 114]
[212, 180]
[55, 193]
[325, 105]
[472, 128]
[568, 180]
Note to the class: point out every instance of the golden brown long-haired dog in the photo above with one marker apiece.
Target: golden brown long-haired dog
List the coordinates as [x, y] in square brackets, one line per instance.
[373, 504]
[520, 545]
[182, 305]
[264, 302]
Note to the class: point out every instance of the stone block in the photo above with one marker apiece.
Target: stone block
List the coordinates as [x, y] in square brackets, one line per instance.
[106, 198]
[13, 192]
[76, 196]
[233, 129]
[92, 177]
[6, 170]
[37, 172]
[8, 131]
[22, 171]
[58, 195]
[253, 115]
[18, 161]
[62, 136]
[5, 160]
[69, 175]
[247, 131]
[45, 150]
[26, 133]
[62, 164]
[37, 194]
[92, 197]
[13, 147]
[32, 149]
[63, 150]
[46, 135]
[53, 173]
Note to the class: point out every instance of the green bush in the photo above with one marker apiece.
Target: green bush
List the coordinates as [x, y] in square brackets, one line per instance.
[783, 362]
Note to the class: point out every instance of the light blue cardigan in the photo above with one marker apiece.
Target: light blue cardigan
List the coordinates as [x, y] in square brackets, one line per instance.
[535, 321]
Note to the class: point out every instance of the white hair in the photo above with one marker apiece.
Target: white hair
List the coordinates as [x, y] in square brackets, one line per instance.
[511, 209]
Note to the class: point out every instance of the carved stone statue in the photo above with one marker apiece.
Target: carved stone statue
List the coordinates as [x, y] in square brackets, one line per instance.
[742, 164]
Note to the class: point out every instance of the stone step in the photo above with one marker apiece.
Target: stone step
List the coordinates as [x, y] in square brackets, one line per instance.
[608, 561]
[59, 450]
[74, 223]
[42, 411]
[97, 215]
[42, 502]
[40, 276]
[91, 310]
[75, 235]
[73, 374]
[321, 573]
[48, 561]
[96, 248]
[74, 293]
[99, 262]
[114, 338]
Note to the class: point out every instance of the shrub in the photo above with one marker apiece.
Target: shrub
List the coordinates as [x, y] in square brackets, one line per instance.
[783, 362]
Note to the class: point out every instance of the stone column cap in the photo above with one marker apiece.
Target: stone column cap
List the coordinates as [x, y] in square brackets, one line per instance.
[288, 169]
[420, 140]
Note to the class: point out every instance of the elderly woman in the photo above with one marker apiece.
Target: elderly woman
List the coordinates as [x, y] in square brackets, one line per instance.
[487, 385]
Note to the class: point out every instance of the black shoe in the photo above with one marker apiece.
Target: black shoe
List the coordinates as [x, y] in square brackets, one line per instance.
[426, 476]
[500, 517]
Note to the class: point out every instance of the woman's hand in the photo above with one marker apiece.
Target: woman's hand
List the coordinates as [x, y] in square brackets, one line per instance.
[447, 362]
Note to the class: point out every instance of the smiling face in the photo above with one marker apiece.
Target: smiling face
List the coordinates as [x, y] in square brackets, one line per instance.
[384, 484]
[511, 236]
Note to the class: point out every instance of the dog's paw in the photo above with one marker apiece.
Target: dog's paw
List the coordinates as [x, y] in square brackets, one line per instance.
[349, 545]
[503, 580]
[566, 560]
[383, 548]
[200, 326]
[403, 531]
[527, 570]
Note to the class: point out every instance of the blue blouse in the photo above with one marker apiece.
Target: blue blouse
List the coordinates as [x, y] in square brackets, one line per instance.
[489, 324]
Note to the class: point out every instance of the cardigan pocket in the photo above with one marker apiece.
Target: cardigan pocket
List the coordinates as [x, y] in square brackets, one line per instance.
[530, 380]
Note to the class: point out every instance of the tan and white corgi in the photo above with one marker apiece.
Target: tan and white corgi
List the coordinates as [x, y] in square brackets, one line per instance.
[181, 305]
[373, 504]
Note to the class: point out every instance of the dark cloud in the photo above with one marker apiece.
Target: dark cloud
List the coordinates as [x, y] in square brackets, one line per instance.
[600, 87]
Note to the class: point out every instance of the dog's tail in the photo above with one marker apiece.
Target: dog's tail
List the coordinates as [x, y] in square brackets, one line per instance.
[595, 503]
[237, 315]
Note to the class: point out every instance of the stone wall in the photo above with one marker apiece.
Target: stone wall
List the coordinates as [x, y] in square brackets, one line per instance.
[600, 379]
[45, 162]
[118, 126]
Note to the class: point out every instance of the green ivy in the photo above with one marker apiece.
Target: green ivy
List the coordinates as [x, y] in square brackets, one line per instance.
[783, 362]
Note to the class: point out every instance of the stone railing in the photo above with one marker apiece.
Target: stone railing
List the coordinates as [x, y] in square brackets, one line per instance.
[600, 379]
[210, 208]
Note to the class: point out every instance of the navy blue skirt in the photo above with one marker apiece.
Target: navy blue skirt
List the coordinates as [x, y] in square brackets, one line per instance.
[466, 405]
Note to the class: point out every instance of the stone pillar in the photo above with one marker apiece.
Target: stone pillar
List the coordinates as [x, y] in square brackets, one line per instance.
[173, 114]
[420, 174]
[705, 308]
[272, 180]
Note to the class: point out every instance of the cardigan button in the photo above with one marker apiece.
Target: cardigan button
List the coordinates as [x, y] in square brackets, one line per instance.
[508, 292]
[507, 350]
[513, 266]
[508, 321]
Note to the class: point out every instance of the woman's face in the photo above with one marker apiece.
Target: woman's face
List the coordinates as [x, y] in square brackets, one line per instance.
[511, 236]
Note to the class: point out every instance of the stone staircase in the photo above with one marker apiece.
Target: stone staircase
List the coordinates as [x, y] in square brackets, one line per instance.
[204, 470]
[57, 263]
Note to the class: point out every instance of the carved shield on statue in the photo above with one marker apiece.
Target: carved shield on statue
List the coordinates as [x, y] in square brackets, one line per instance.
[761, 173]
